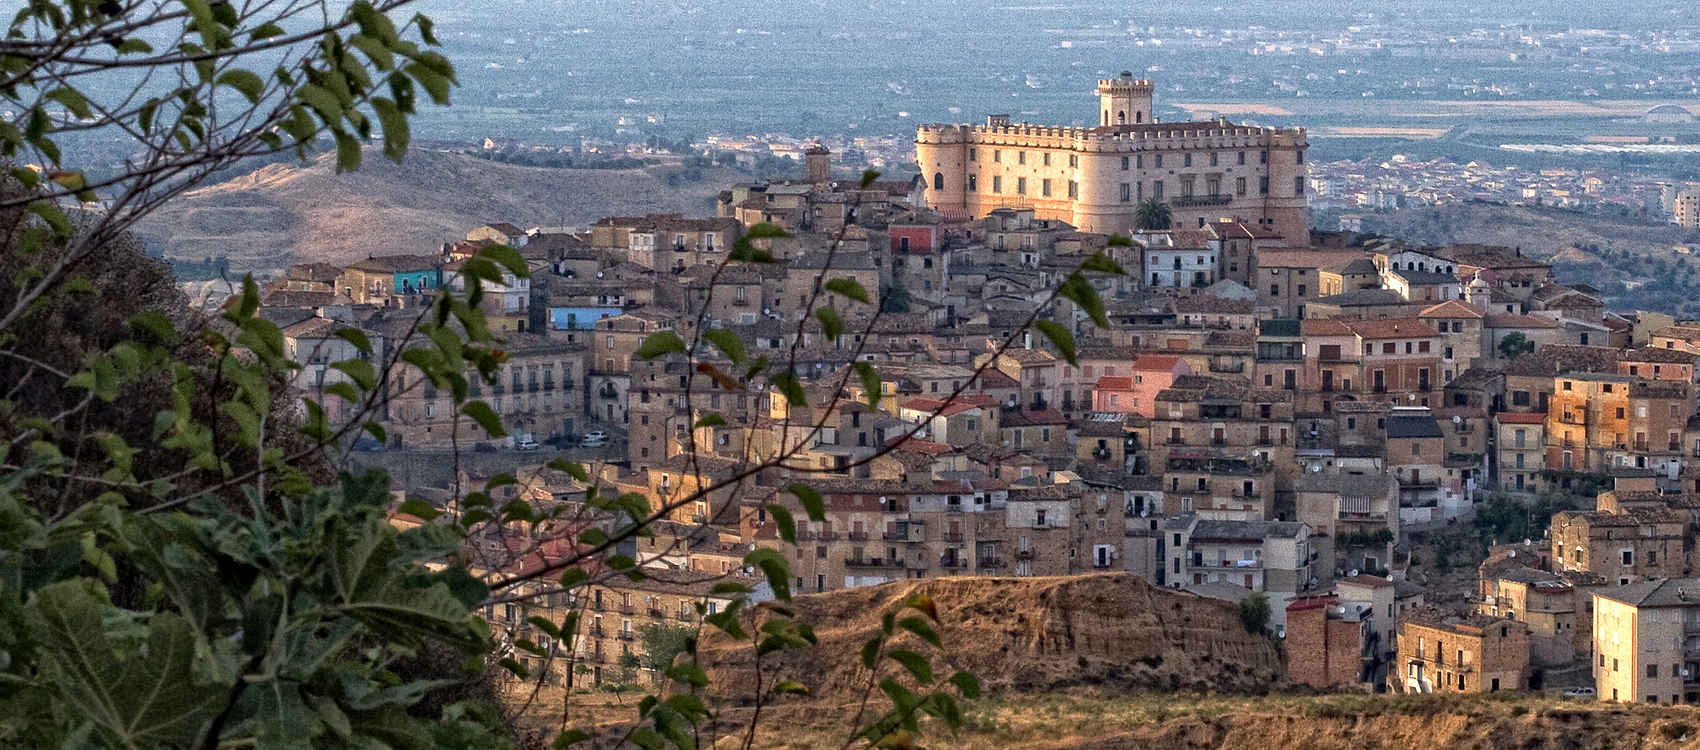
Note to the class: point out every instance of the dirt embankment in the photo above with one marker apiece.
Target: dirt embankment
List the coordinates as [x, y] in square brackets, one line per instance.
[1026, 635]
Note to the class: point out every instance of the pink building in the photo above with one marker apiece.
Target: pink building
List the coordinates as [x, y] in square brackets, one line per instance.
[1136, 392]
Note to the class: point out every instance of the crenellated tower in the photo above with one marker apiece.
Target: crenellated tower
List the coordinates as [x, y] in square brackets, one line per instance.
[1125, 101]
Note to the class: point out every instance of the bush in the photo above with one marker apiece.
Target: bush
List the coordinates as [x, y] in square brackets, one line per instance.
[1254, 612]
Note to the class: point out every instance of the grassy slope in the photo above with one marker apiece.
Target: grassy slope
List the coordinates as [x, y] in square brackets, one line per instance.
[284, 214]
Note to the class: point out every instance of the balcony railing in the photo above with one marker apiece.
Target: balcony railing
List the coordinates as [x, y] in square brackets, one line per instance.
[1024, 554]
[953, 536]
[657, 613]
[627, 609]
[1201, 200]
[870, 562]
[990, 562]
[1228, 367]
[626, 635]
[858, 536]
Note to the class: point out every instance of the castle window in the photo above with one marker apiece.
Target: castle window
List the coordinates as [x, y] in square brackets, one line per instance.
[1073, 188]
[997, 155]
[1213, 158]
[1242, 158]
[973, 183]
[938, 180]
[1300, 156]
[1045, 188]
[1046, 158]
[1139, 161]
[1298, 186]
[997, 183]
[1157, 190]
[1021, 185]
[1159, 160]
[1263, 185]
[1263, 158]
[971, 155]
[1124, 164]
[1186, 159]
[1021, 157]
[1074, 160]
[1127, 192]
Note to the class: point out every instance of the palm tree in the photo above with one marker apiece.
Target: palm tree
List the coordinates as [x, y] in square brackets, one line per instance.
[1152, 214]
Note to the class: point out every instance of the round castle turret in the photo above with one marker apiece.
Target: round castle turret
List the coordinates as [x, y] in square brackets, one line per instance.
[1125, 101]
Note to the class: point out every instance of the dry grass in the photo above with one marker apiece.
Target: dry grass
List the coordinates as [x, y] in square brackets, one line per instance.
[285, 214]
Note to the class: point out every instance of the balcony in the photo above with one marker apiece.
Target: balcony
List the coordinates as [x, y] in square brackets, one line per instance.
[592, 658]
[858, 536]
[953, 564]
[685, 616]
[895, 536]
[1227, 367]
[657, 613]
[548, 385]
[626, 635]
[1176, 441]
[990, 563]
[531, 388]
[607, 392]
[1024, 554]
[627, 609]
[497, 390]
[1201, 200]
[828, 536]
[953, 536]
[871, 562]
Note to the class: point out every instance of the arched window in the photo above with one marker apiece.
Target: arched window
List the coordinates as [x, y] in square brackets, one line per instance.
[1139, 117]
[938, 180]
[1121, 117]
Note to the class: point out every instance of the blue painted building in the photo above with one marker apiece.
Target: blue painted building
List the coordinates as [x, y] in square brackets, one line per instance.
[579, 318]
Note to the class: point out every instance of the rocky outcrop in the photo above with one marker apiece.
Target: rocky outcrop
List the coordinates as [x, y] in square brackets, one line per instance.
[1025, 635]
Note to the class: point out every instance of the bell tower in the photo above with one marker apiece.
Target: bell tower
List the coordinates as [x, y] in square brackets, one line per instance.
[1124, 100]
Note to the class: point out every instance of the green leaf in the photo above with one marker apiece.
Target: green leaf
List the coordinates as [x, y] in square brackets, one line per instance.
[774, 566]
[546, 625]
[919, 627]
[356, 337]
[487, 419]
[265, 31]
[519, 670]
[1119, 240]
[789, 384]
[849, 288]
[569, 738]
[915, 663]
[134, 46]
[764, 230]
[868, 177]
[1081, 292]
[830, 324]
[1060, 338]
[370, 588]
[150, 697]
[784, 523]
[347, 151]
[509, 258]
[244, 81]
[871, 652]
[711, 419]
[419, 509]
[728, 343]
[572, 468]
[810, 499]
[791, 687]
[661, 344]
[967, 683]
[1103, 264]
[73, 101]
[871, 383]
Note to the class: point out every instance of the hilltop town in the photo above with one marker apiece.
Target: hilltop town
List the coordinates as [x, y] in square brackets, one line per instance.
[1263, 413]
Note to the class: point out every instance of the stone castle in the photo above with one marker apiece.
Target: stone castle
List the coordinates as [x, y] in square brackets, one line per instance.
[1095, 178]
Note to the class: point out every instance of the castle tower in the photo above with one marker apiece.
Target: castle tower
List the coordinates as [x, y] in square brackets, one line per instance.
[1124, 101]
[817, 163]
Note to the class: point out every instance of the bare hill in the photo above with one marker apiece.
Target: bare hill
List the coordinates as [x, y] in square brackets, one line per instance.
[286, 213]
[1031, 635]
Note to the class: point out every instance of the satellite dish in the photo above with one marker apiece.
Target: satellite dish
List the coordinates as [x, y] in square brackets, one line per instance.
[1315, 468]
[1352, 573]
[1411, 397]
[1457, 419]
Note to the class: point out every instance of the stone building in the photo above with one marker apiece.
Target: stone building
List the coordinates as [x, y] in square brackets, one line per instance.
[1444, 653]
[1646, 638]
[1094, 178]
[1624, 548]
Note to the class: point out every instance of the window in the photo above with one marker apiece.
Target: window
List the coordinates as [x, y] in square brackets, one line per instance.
[1127, 192]
[1073, 188]
[973, 183]
[1157, 190]
[1263, 158]
[1422, 346]
[1299, 157]
[1046, 158]
[1263, 185]
[997, 155]
[1021, 157]
[971, 155]
[1187, 159]
[1239, 186]
[1653, 672]
[1157, 160]
[1074, 160]
[1124, 163]
[938, 180]
[1045, 186]
[997, 183]
[1213, 159]
[1021, 185]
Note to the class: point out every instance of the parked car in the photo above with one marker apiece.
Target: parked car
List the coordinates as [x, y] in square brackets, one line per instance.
[594, 439]
[527, 444]
[1585, 693]
[561, 442]
[483, 448]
